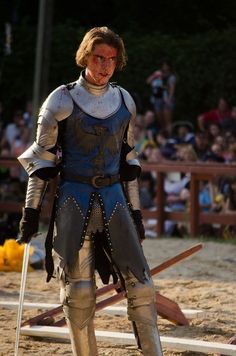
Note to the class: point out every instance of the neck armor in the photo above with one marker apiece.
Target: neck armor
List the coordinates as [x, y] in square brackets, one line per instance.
[97, 101]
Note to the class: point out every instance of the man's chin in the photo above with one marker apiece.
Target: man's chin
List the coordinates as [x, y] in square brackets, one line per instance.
[103, 80]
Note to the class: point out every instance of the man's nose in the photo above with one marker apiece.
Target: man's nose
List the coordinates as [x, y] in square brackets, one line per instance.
[106, 63]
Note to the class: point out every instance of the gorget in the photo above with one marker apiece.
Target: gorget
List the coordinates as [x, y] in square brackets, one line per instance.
[97, 101]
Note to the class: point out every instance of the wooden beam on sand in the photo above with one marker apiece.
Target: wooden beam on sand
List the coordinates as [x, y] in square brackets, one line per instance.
[165, 307]
[120, 338]
[113, 310]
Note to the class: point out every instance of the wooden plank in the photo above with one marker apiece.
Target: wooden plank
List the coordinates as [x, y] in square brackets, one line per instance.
[165, 310]
[113, 310]
[122, 311]
[129, 339]
[28, 305]
[170, 310]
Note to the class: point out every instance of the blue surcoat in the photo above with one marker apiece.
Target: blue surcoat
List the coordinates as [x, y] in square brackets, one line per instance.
[91, 147]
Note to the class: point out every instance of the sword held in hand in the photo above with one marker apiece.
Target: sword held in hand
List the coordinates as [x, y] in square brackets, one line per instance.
[22, 293]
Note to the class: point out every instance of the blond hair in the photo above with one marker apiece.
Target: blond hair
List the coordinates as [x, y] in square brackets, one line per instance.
[101, 35]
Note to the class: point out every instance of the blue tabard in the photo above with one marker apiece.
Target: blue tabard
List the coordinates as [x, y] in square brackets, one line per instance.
[91, 147]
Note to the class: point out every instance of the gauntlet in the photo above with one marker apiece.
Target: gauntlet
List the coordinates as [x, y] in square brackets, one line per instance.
[138, 221]
[29, 224]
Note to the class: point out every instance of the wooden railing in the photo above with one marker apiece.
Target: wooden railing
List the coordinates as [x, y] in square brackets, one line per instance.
[198, 171]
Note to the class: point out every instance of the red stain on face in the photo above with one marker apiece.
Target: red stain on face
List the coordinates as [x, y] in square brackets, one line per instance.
[101, 64]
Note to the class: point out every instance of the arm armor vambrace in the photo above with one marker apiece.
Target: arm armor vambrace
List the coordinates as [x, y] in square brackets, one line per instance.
[35, 192]
[132, 193]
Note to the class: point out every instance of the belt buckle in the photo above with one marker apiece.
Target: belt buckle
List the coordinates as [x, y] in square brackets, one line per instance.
[95, 183]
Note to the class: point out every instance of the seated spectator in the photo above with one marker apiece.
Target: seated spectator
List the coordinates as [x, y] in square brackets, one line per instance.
[183, 132]
[220, 115]
[13, 130]
[177, 199]
[146, 149]
[201, 145]
[220, 140]
[232, 153]
[155, 155]
[150, 124]
[186, 153]
[213, 130]
[146, 190]
[215, 154]
[205, 199]
[231, 196]
[230, 207]
[166, 144]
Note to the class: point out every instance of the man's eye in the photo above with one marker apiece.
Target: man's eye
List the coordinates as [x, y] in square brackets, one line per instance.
[102, 59]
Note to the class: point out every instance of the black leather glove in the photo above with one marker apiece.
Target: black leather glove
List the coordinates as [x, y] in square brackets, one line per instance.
[138, 220]
[29, 224]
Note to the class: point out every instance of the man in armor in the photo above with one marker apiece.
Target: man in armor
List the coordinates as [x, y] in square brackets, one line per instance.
[98, 222]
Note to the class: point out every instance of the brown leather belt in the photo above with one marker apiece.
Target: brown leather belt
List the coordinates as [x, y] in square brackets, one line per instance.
[96, 181]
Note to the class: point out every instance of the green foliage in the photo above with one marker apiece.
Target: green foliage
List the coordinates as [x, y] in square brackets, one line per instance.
[204, 65]
[17, 69]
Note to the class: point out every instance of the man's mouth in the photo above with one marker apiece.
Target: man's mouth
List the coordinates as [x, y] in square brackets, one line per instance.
[104, 75]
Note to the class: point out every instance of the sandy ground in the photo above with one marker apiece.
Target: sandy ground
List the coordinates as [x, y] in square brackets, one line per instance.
[204, 281]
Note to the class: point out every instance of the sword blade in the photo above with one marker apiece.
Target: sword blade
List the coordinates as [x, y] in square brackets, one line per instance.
[22, 293]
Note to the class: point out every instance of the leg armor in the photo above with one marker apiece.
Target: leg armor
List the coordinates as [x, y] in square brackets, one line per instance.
[142, 312]
[78, 298]
[78, 292]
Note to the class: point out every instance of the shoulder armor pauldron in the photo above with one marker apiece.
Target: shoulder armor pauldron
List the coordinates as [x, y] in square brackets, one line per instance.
[59, 103]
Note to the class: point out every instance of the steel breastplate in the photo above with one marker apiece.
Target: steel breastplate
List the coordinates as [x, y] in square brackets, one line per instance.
[92, 146]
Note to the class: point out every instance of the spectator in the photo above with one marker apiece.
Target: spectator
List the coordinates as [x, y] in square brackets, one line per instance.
[231, 196]
[13, 129]
[184, 132]
[213, 130]
[177, 199]
[232, 153]
[230, 207]
[166, 144]
[155, 155]
[146, 190]
[205, 200]
[163, 86]
[15, 140]
[186, 153]
[201, 144]
[220, 115]
[146, 149]
[215, 154]
[149, 123]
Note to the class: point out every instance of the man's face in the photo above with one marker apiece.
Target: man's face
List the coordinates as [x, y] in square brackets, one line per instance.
[101, 64]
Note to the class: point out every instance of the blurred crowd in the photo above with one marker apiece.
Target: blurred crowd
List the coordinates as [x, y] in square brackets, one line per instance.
[15, 138]
[211, 138]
